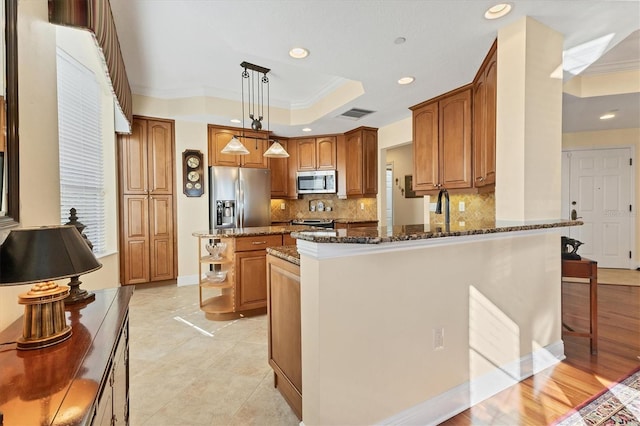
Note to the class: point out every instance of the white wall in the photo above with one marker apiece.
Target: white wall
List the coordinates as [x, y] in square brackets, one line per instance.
[39, 168]
[406, 211]
[497, 312]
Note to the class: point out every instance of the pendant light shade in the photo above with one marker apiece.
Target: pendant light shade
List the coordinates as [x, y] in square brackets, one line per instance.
[276, 151]
[235, 147]
[256, 85]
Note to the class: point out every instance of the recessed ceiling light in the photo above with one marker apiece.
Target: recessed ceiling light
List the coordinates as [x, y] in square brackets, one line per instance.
[235, 120]
[406, 80]
[607, 116]
[298, 53]
[306, 129]
[497, 11]
[399, 40]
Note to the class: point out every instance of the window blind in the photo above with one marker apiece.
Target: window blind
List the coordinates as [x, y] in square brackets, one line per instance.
[80, 142]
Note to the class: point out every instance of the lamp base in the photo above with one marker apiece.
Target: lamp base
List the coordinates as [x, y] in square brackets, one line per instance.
[28, 344]
[77, 294]
[44, 322]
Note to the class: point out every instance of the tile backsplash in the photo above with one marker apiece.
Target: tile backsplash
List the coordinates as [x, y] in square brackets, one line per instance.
[353, 209]
[477, 207]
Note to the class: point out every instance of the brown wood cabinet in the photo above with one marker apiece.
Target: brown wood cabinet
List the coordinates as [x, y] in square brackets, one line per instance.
[283, 172]
[244, 289]
[82, 381]
[284, 324]
[442, 142]
[316, 153]
[484, 121]
[147, 219]
[360, 162]
[219, 137]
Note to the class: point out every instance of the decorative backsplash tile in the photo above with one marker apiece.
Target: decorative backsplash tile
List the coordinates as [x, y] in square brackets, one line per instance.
[353, 209]
[477, 207]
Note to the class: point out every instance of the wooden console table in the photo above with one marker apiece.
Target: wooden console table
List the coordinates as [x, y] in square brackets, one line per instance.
[81, 381]
[585, 268]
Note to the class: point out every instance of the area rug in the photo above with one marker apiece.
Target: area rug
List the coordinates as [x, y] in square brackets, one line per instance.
[617, 405]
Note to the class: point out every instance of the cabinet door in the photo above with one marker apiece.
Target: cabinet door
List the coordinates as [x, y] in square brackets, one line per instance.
[326, 153]
[455, 140]
[160, 157]
[135, 239]
[370, 162]
[491, 82]
[161, 237]
[132, 154]
[484, 124]
[217, 139]
[251, 280]
[255, 159]
[306, 154]
[120, 387]
[285, 349]
[354, 163]
[280, 174]
[425, 148]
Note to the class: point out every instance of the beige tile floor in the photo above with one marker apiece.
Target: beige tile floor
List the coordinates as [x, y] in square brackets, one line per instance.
[187, 370]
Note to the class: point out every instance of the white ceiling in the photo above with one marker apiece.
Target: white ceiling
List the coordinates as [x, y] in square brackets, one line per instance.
[193, 48]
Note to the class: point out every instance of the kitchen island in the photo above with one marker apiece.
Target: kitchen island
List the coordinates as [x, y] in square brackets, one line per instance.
[232, 283]
[414, 324]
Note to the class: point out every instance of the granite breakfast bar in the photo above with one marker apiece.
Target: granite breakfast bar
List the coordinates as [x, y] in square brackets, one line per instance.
[413, 324]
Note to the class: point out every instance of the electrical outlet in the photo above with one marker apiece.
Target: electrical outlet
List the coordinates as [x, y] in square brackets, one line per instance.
[438, 339]
[282, 206]
[461, 206]
[361, 206]
[432, 207]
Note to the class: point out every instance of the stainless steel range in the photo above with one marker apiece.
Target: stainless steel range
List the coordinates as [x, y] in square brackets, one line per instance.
[320, 223]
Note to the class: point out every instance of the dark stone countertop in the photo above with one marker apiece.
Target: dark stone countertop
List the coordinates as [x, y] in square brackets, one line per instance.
[288, 253]
[252, 231]
[420, 232]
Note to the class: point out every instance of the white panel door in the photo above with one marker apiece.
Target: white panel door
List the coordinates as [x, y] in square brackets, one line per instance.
[600, 193]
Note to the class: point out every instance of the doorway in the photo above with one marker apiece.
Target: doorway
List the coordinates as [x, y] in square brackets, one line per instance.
[389, 193]
[598, 190]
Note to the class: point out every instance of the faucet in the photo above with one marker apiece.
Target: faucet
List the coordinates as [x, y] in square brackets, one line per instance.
[446, 207]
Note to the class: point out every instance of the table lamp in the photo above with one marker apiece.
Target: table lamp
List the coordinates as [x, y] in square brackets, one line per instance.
[42, 255]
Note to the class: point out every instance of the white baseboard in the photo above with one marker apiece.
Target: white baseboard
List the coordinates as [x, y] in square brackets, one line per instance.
[187, 280]
[456, 400]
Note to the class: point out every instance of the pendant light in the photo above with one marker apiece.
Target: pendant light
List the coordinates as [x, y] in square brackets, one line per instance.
[255, 101]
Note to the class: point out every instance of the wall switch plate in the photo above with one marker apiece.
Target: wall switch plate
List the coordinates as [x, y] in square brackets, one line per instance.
[432, 207]
[461, 206]
[361, 206]
[438, 339]
[282, 206]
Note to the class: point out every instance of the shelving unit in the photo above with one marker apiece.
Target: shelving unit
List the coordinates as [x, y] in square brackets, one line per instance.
[216, 297]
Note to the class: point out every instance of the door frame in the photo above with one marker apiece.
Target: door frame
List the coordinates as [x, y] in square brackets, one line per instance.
[634, 262]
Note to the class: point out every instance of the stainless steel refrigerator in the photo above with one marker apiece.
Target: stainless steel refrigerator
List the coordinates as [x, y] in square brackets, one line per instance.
[239, 197]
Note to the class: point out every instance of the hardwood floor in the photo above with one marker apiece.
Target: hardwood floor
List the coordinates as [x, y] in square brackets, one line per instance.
[543, 398]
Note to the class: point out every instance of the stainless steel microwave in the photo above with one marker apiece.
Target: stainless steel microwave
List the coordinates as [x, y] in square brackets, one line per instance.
[316, 182]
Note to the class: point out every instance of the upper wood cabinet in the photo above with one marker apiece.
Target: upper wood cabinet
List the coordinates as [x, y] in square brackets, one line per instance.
[361, 162]
[146, 157]
[442, 142]
[316, 153]
[219, 137]
[283, 172]
[484, 121]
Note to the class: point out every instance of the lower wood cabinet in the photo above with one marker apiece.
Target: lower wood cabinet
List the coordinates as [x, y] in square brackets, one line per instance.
[81, 381]
[284, 324]
[244, 288]
[352, 225]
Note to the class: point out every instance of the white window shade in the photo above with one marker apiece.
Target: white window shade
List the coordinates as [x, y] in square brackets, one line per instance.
[80, 145]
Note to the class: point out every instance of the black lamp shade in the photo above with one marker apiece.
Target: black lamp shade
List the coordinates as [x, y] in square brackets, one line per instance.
[31, 255]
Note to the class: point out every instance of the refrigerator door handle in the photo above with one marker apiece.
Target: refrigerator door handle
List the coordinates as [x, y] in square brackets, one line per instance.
[240, 208]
